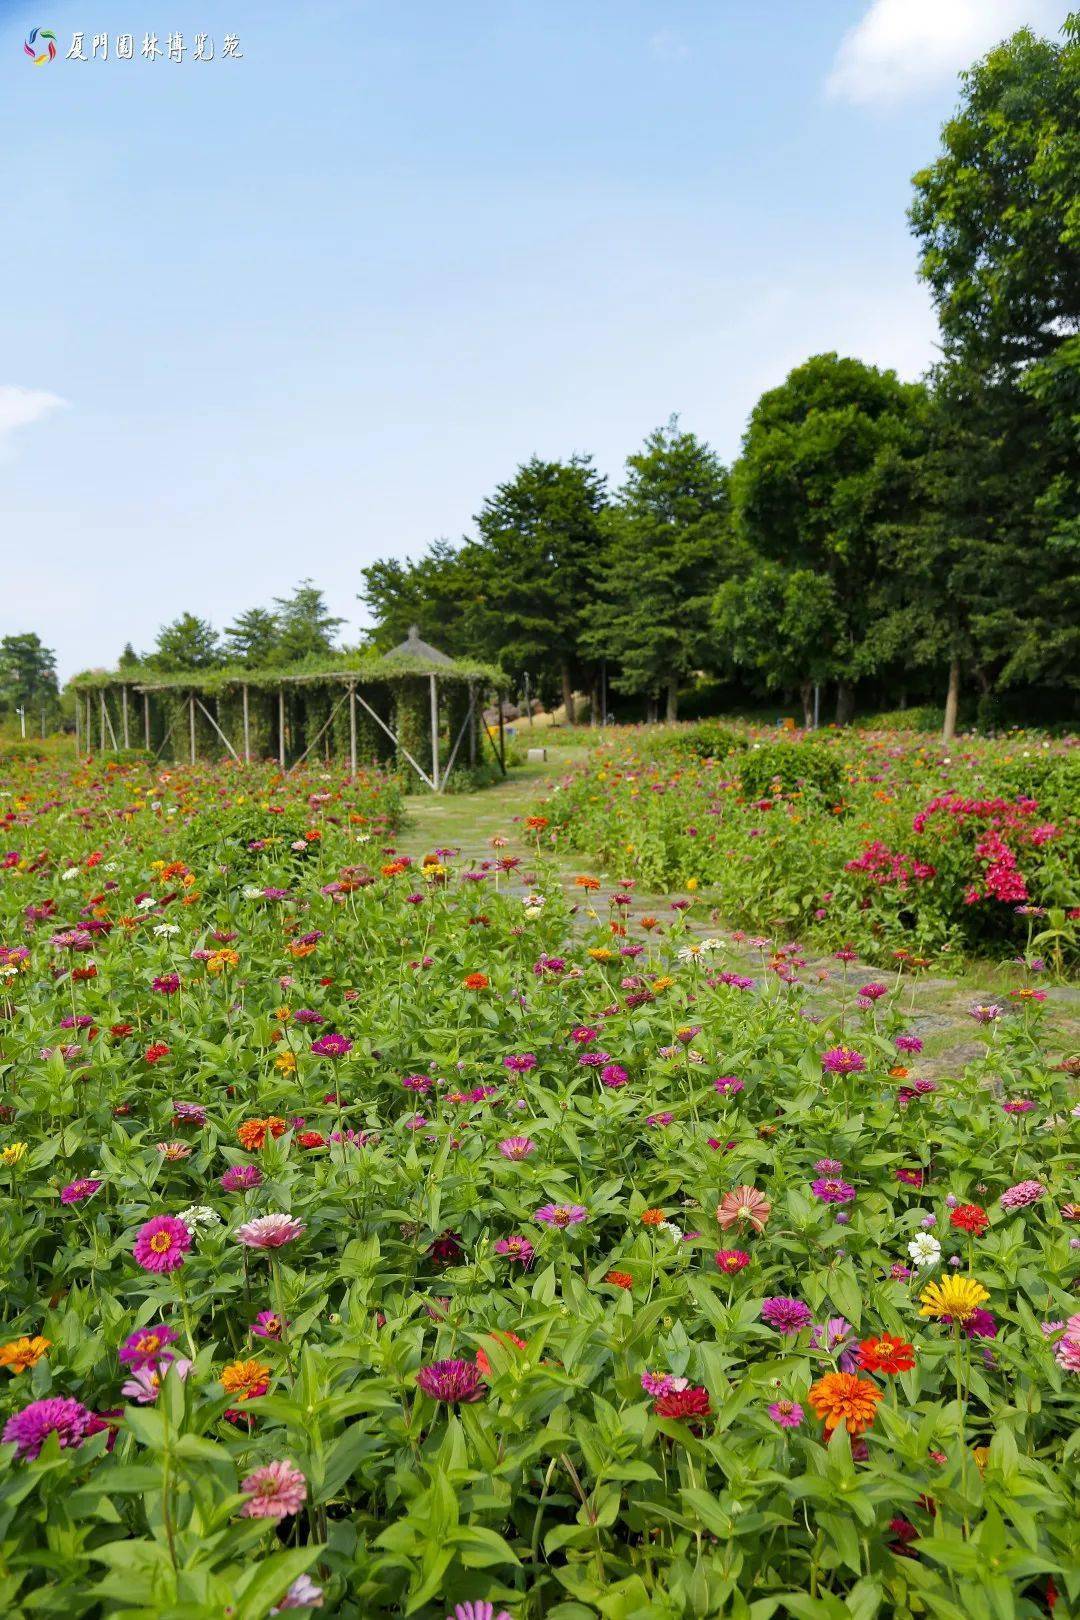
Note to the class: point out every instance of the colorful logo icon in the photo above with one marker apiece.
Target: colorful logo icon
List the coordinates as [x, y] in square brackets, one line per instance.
[35, 46]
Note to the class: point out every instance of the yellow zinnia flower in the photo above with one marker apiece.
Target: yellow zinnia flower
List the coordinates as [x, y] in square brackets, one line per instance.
[956, 1297]
[13, 1152]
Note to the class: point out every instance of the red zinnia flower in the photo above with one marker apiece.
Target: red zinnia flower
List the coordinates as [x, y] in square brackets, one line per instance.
[970, 1218]
[683, 1403]
[155, 1052]
[886, 1354]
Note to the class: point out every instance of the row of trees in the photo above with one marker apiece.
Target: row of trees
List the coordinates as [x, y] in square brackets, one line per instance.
[871, 528]
[295, 629]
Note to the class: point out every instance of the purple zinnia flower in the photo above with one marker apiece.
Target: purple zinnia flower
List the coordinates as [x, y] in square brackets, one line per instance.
[268, 1325]
[29, 1429]
[308, 1015]
[478, 1611]
[613, 1075]
[785, 1314]
[146, 1346]
[908, 1043]
[833, 1336]
[516, 1247]
[657, 1384]
[144, 1385]
[521, 1063]
[561, 1215]
[453, 1381]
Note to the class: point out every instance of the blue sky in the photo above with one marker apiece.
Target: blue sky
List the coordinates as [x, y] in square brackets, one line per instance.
[275, 317]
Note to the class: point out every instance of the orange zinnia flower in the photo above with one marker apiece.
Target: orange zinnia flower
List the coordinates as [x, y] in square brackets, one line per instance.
[619, 1279]
[653, 1217]
[886, 1354]
[843, 1398]
[536, 823]
[221, 960]
[254, 1132]
[20, 1354]
[243, 1379]
[590, 883]
[483, 1361]
[649, 923]
[476, 981]
[743, 1204]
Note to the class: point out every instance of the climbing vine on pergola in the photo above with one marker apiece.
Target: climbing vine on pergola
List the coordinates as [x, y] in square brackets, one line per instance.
[413, 707]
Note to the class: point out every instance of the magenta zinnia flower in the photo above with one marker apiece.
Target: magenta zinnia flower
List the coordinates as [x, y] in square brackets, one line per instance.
[332, 1046]
[269, 1231]
[76, 1192]
[453, 1381]
[241, 1178]
[842, 1060]
[786, 1315]
[162, 1243]
[516, 1147]
[146, 1346]
[29, 1429]
[276, 1490]
[832, 1191]
[520, 1063]
[268, 1325]
[144, 1385]
[561, 1215]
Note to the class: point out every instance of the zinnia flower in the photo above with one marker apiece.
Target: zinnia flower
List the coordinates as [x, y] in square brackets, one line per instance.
[842, 1060]
[241, 1178]
[832, 1191]
[516, 1147]
[146, 1346]
[743, 1204]
[245, 1379]
[478, 1611]
[162, 1243]
[789, 1414]
[452, 1381]
[29, 1429]
[1024, 1193]
[18, 1355]
[969, 1218]
[144, 1384]
[302, 1594]
[886, 1354]
[731, 1260]
[561, 1215]
[516, 1248]
[683, 1403]
[954, 1297]
[786, 1315]
[844, 1398]
[275, 1490]
[269, 1231]
[76, 1192]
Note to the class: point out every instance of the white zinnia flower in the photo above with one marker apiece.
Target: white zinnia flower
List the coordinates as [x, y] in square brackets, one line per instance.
[72, 872]
[147, 903]
[197, 1215]
[166, 930]
[252, 893]
[924, 1250]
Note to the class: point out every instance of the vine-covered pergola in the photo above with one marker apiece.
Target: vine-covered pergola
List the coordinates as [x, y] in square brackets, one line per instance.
[389, 709]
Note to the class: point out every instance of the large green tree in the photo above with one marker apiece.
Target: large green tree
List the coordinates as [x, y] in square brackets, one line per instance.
[27, 674]
[831, 459]
[307, 628]
[777, 622]
[540, 537]
[998, 218]
[437, 592]
[669, 543]
[254, 638]
[187, 643]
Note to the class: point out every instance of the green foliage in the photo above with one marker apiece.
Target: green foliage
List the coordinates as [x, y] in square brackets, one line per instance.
[791, 767]
[187, 643]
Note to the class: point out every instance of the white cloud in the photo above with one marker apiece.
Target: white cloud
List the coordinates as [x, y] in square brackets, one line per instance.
[20, 407]
[903, 47]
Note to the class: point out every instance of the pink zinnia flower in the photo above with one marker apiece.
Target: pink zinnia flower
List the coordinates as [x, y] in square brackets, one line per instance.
[269, 1231]
[561, 1215]
[516, 1147]
[832, 1191]
[728, 1085]
[268, 1325]
[478, 1611]
[789, 1414]
[452, 1381]
[516, 1248]
[658, 1384]
[613, 1075]
[302, 1594]
[144, 1384]
[1066, 1352]
[162, 1243]
[521, 1063]
[275, 1490]
[29, 1429]
[1024, 1193]
[332, 1046]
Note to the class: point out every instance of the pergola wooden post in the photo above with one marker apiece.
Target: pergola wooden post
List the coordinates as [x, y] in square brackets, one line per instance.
[191, 724]
[146, 717]
[124, 713]
[434, 731]
[247, 726]
[76, 727]
[101, 720]
[472, 726]
[352, 727]
[281, 726]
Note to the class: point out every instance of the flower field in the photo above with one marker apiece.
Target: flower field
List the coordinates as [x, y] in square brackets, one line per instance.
[883, 839]
[380, 1239]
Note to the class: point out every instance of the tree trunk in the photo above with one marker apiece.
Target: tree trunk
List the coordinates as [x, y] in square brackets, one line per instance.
[672, 697]
[650, 712]
[568, 694]
[845, 702]
[952, 701]
[806, 696]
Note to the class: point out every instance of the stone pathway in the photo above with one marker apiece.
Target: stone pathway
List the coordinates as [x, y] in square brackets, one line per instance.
[940, 1006]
